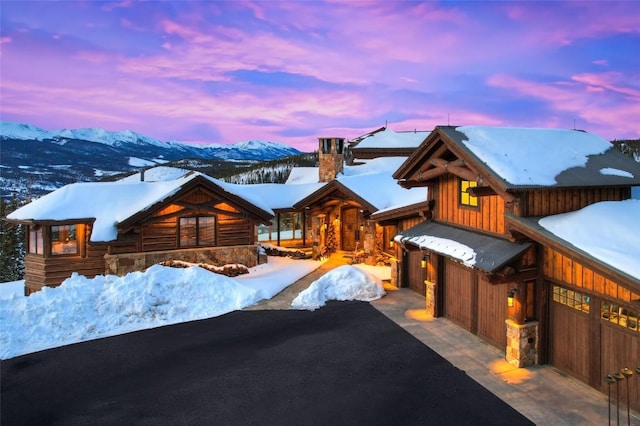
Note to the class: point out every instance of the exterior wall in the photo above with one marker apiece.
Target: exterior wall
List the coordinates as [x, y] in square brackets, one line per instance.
[563, 269]
[51, 270]
[488, 216]
[122, 264]
[555, 201]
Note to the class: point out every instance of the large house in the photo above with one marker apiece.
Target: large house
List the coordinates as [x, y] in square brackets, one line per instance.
[501, 256]
[485, 222]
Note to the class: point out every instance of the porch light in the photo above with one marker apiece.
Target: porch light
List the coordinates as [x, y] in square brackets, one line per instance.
[361, 226]
[423, 262]
[511, 294]
[392, 243]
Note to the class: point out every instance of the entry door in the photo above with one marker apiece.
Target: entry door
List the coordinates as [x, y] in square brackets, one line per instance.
[414, 272]
[349, 227]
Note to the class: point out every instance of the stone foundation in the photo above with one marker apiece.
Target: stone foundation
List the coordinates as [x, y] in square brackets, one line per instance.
[121, 264]
[522, 343]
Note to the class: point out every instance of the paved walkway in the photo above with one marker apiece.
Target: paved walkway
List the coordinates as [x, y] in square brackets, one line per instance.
[543, 394]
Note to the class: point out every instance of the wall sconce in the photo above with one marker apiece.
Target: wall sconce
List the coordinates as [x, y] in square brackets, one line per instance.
[511, 294]
[423, 262]
[361, 226]
[392, 243]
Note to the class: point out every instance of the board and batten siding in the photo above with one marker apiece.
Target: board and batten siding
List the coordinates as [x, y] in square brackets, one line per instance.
[487, 217]
[556, 201]
[562, 269]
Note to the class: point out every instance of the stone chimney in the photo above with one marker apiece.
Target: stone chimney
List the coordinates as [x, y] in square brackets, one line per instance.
[330, 158]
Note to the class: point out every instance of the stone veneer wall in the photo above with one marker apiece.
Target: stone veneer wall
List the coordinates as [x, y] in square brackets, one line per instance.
[120, 264]
[522, 343]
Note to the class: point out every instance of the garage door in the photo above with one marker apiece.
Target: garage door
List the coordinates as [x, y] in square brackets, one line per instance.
[570, 332]
[492, 311]
[459, 294]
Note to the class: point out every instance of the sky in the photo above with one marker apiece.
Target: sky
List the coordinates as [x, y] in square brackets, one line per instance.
[293, 71]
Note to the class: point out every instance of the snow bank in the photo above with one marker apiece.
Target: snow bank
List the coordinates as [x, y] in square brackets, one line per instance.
[84, 309]
[343, 283]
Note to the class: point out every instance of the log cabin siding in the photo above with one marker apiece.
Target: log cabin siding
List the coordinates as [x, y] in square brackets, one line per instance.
[235, 232]
[545, 202]
[562, 269]
[487, 217]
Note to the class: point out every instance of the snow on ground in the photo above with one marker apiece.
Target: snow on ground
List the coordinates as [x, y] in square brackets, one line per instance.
[91, 308]
[346, 282]
[607, 230]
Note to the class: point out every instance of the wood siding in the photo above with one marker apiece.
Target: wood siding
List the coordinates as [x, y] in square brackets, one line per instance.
[51, 271]
[621, 348]
[487, 217]
[563, 269]
[554, 201]
[235, 232]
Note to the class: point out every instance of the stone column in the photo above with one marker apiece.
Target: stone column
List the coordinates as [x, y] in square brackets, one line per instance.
[522, 343]
[431, 297]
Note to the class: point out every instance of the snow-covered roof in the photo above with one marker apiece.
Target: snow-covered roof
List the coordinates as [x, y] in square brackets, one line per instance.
[111, 203]
[471, 248]
[280, 196]
[606, 230]
[546, 157]
[372, 182]
[303, 175]
[388, 138]
[157, 174]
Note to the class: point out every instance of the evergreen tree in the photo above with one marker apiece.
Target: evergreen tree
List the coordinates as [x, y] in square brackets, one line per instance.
[12, 248]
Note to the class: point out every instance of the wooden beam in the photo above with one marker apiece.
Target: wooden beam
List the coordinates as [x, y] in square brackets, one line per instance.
[481, 191]
[412, 183]
[508, 275]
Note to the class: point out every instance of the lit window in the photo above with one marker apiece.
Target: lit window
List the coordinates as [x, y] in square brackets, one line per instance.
[197, 231]
[571, 298]
[467, 199]
[619, 315]
[64, 239]
[35, 240]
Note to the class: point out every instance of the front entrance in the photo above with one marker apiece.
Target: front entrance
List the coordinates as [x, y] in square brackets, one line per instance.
[349, 229]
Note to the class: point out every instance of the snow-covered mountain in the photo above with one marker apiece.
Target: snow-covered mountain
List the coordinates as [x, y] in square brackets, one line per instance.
[37, 161]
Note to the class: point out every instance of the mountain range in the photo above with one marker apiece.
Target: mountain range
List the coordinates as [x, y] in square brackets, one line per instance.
[34, 161]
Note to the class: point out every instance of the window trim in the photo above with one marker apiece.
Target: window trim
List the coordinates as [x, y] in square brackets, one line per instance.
[198, 236]
[36, 235]
[69, 231]
[463, 193]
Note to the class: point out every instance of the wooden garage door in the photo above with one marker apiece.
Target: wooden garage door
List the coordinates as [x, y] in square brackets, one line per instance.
[570, 340]
[459, 294]
[621, 348]
[492, 311]
[414, 273]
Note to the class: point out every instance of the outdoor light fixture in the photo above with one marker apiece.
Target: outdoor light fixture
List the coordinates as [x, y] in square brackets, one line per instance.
[511, 294]
[392, 243]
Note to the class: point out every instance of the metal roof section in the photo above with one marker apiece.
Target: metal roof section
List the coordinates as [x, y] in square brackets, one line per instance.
[476, 250]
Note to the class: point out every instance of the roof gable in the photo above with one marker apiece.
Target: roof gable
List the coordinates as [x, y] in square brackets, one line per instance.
[522, 158]
[111, 204]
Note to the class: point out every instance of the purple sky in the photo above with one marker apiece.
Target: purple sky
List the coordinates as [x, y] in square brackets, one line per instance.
[229, 71]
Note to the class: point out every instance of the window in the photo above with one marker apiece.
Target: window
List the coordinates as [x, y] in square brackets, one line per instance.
[35, 240]
[572, 299]
[339, 146]
[64, 239]
[619, 315]
[197, 231]
[467, 199]
[326, 146]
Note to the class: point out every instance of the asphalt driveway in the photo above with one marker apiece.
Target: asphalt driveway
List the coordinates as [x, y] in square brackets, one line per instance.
[344, 364]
